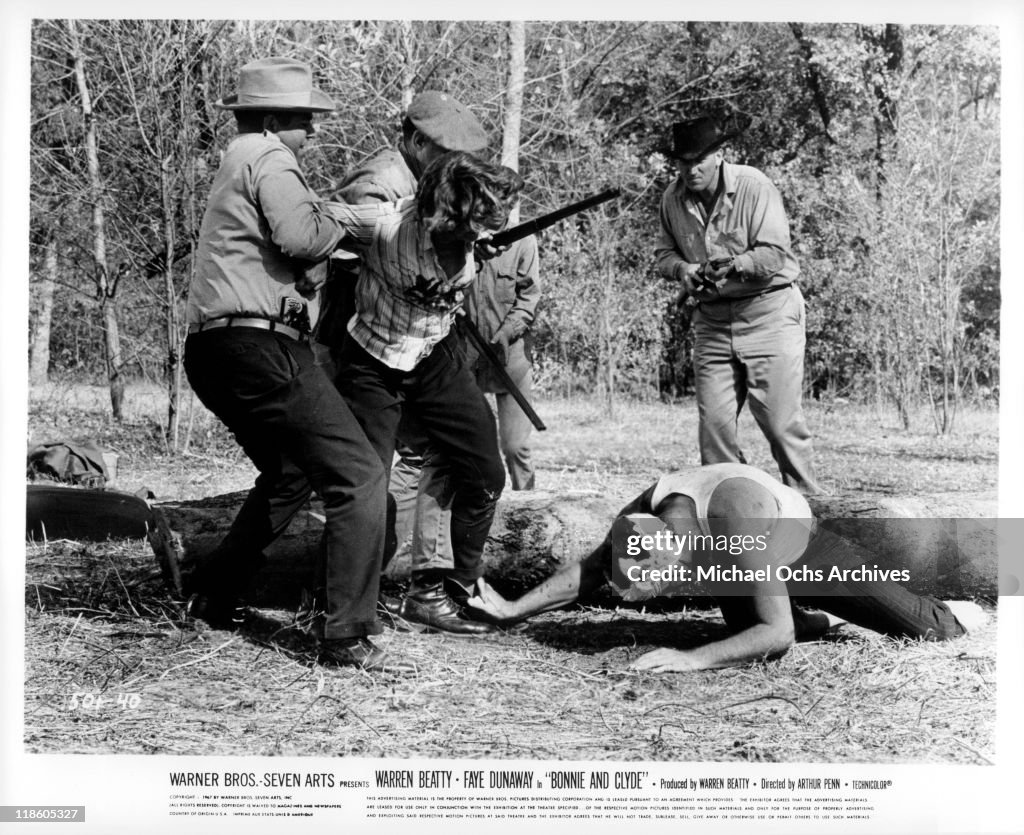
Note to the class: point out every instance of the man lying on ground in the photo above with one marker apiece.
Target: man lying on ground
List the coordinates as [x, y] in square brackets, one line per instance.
[702, 505]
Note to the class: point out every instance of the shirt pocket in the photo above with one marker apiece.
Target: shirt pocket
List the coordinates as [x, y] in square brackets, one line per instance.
[505, 288]
[731, 239]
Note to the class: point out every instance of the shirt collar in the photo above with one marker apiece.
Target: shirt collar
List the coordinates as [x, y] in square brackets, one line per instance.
[273, 138]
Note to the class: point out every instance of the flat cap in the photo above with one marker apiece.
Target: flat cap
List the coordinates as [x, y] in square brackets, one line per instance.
[447, 122]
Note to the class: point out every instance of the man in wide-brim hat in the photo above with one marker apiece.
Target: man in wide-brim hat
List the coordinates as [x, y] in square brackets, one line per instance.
[249, 360]
[725, 237]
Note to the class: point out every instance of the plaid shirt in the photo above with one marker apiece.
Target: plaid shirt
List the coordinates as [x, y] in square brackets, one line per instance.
[404, 300]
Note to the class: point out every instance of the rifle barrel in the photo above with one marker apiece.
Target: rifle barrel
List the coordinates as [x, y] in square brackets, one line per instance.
[531, 227]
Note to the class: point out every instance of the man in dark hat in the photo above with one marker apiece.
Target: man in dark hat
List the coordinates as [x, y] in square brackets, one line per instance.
[725, 237]
[434, 124]
[249, 360]
[750, 542]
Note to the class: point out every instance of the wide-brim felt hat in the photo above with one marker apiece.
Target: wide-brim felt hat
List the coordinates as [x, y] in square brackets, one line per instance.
[446, 122]
[695, 138]
[277, 84]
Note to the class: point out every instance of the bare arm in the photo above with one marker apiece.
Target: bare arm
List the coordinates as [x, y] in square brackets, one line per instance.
[765, 628]
[560, 589]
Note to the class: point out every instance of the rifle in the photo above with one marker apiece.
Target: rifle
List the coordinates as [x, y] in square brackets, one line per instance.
[484, 347]
[532, 227]
[704, 282]
[504, 238]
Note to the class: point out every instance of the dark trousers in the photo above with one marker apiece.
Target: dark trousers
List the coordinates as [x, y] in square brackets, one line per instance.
[299, 433]
[883, 606]
[442, 395]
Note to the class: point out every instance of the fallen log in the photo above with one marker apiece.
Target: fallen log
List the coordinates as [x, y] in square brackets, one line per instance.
[947, 541]
[57, 512]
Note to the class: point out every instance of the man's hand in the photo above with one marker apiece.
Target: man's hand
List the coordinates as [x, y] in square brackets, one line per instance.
[501, 342]
[718, 268]
[484, 250]
[311, 279]
[488, 601]
[666, 660]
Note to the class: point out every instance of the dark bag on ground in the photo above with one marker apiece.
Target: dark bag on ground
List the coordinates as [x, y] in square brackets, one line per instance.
[69, 462]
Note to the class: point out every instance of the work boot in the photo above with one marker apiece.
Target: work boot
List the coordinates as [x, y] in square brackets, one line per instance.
[361, 653]
[432, 606]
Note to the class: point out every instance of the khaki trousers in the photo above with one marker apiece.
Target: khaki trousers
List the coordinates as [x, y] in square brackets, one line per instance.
[752, 350]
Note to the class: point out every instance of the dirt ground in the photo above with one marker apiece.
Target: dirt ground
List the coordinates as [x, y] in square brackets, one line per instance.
[112, 667]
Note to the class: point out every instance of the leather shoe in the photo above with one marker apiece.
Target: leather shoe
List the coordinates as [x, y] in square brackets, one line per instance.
[434, 608]
[391, 611]
[361, 653]
[389, 605]
[217, 610]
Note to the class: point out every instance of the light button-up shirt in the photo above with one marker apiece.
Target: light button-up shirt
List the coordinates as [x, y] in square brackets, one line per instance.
[748, 221]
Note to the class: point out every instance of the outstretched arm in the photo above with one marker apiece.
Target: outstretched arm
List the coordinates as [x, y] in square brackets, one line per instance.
[562, 588]
[763, 625]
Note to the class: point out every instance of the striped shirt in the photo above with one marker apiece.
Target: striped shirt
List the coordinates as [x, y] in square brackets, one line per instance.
[404, 301]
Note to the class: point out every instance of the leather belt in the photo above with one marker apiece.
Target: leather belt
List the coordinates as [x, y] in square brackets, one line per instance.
[271, 325]
[721, 299]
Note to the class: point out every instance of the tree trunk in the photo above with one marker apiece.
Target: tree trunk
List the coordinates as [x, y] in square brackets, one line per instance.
[105, 286]
[512, 128]
[172, 374]
[39, 351]
[407, 44]
[945, 540]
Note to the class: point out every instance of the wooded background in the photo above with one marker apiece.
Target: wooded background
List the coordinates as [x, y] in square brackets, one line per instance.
[883, 139]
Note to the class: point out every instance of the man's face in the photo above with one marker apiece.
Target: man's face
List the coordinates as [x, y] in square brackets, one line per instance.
[293, 129]
[701, 175]
[423, 150]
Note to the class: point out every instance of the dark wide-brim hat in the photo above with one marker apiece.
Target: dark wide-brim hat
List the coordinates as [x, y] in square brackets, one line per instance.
[447, 122]
[277, 84]
[695, 138]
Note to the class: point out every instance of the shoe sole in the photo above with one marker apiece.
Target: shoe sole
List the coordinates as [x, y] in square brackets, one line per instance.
[437, 630]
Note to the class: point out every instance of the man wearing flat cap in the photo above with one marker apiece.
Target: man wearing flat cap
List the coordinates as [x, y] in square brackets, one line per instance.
[725, 237]
[434, 124]
[249, 360]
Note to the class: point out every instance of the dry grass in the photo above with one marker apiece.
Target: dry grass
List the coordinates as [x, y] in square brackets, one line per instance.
[99, 621]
